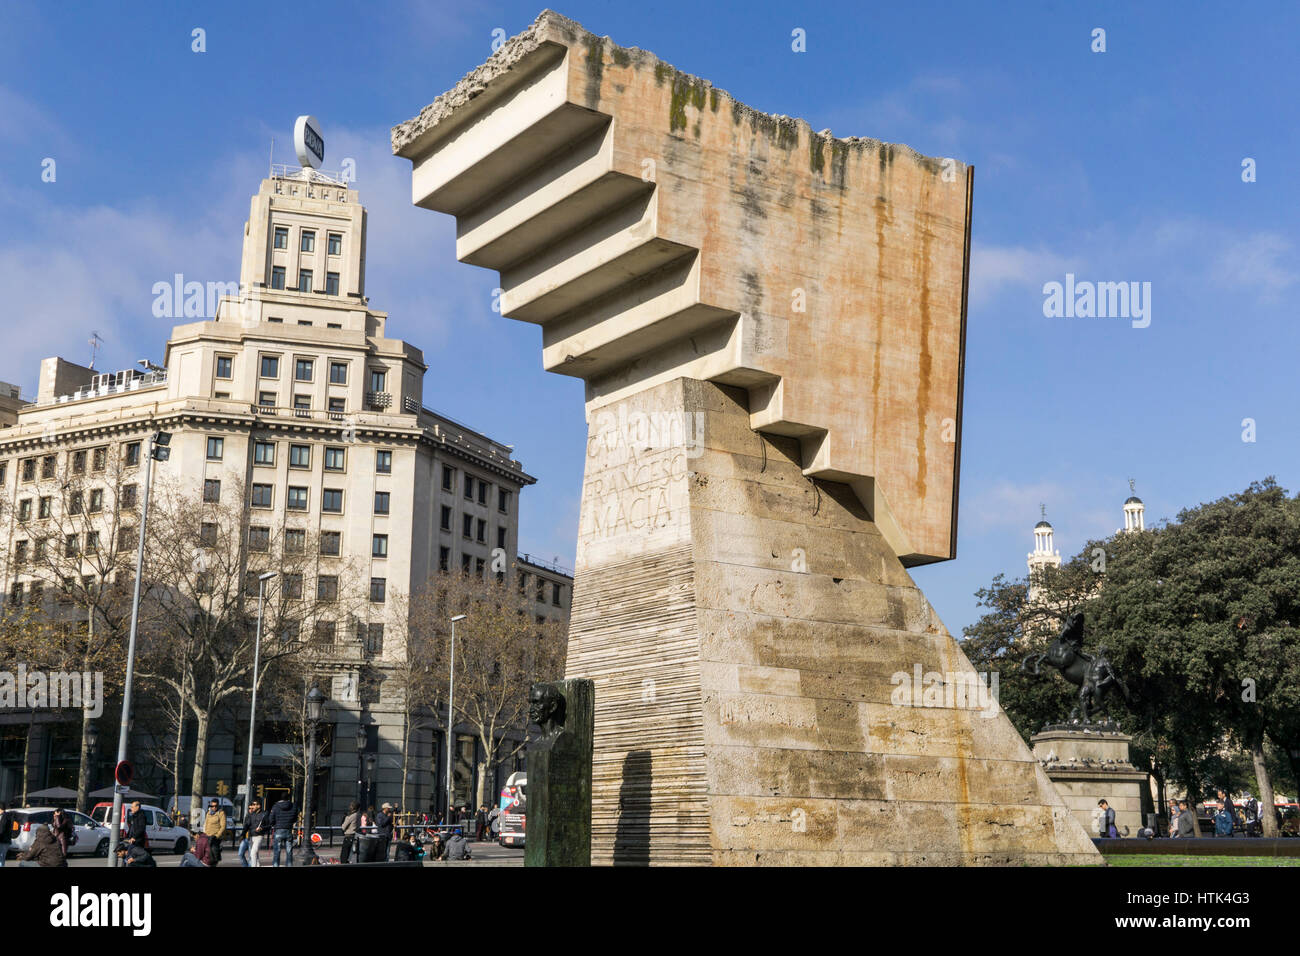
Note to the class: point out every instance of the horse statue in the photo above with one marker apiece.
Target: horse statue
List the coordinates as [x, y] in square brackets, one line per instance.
[1091, 673]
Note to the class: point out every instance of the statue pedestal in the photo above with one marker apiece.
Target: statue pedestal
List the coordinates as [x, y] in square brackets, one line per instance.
[1088, 764]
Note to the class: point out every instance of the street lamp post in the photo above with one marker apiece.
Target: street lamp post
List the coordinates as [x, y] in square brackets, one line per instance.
[362, 739]
[92, 748]
[315, 703]
[451, 718]
[159, 450]
[370, 776]
[252, 707]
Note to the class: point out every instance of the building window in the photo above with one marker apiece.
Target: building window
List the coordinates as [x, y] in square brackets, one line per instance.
[501, 537]
[483, 489]
[25, 509]
[335, 458]
[216, 448]
[128, 496]
[127, 538]
[300, 456]
[295, 540]
[381, 502]
[281, 237]
[478, 566]
[480, 534]
[464, 562]
[79, 462]
[277, 277]
[301, 404]
[47, 466]
[331, 283]
[338, 373]
[541, 590]
[304, 280]
[270, 366]
[331, 500]
[263, 495]
[556, 590]
[444, 555]
[384, 462]
[306, 322]
[16, 596]
[74, 503]
[330, 543]
[375, 639]
[467, 526]
[44, 507]
[378, 590]
[378, 379]
[71, 545]
[323, 631]
[133, 454]
[264, 453]
[293, 586]
[503, 501]
[379, 546]
[98, 461]
[302, 370]
[327, 587]
[469, 488]
[225, 366]
[20, 552]
[266, 400]
[208, 534]
[297, 500]
[96, 501]
[335, 244]
[259, 539]
[29, 467]
[333, 325]
[448, 478]
[336, 406]
[446, 518]
[308, 243]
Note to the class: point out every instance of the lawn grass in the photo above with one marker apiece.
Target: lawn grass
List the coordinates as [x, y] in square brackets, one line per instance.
[1171, 859]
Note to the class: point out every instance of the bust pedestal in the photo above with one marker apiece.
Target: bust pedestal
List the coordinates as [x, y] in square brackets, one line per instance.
[1090, 763]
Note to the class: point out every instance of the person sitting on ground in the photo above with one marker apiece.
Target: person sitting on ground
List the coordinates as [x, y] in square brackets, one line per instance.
[458, 847]
[409, 849]
[134, 854]
[437, 848]
[45, 849]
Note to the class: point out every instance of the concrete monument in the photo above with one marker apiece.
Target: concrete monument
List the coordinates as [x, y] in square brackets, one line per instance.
[769, 321]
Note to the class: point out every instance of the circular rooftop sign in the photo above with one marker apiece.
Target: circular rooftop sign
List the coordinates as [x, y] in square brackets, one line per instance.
[308, 142]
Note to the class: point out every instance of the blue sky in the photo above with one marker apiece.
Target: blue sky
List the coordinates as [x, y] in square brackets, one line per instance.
[1115, 166]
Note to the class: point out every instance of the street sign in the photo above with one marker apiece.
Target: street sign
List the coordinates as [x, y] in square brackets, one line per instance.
[123, 773]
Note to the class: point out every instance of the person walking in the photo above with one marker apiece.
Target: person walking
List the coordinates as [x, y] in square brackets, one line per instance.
[384, 826]
[255, 824]
[137, 826]
[1107, 820]
[6, 831]
[481, 823]
[350, 823]
[280, 822]
[214, 825]
[1186, 820]
[62, 827]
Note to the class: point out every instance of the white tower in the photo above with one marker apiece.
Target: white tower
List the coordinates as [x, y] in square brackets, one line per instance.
[1043, 556]
[1133, 512]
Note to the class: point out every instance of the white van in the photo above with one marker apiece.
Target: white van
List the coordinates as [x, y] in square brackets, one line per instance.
[163, 834]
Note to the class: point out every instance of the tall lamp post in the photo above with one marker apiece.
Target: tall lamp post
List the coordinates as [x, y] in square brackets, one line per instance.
[451, 714]
[252, 707]
[315, 704]
[159, 450]
[363, 737]
[92, 748]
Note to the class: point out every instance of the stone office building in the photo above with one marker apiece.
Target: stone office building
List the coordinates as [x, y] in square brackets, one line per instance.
[294, 392]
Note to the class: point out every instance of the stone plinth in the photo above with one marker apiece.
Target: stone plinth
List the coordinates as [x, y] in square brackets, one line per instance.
[745, 627]
[1091, 765]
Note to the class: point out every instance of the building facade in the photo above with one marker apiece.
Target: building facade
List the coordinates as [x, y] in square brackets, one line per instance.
[293, 398]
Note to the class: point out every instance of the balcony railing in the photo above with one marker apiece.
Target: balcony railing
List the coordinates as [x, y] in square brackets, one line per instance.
[114, 384]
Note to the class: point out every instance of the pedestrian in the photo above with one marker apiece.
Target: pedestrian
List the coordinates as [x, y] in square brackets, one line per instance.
[280, 822]
[133, 854]
[45, 849]
[1108, 828]
[1186, 820]
[384, 828]
[350, 831]
[1173, 818]
[255, 824]
[214, 825]
[61, 824]
[458, 846]
[137, 826]
[481, 823]
[7, 825]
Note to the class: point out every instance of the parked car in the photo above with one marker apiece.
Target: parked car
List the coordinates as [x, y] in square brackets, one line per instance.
[91, 836]
[161, 830]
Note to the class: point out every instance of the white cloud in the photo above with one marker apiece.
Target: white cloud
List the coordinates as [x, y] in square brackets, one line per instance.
[993, 267]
